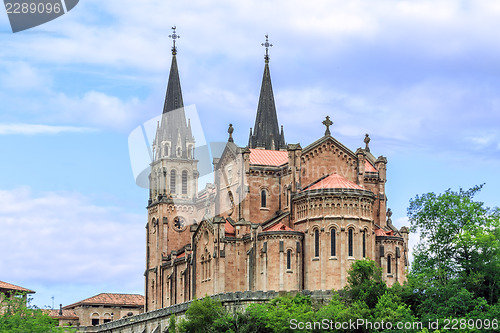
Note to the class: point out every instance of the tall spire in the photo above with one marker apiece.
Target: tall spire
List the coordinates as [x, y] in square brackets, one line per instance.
[266, 130]
[174, 129]
[173, 98]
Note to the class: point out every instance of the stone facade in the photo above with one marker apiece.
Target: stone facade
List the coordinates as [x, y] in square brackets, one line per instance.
[8, 291]
[87, 314]
[278, 217]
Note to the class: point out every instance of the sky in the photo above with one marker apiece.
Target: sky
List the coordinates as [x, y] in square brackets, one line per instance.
[421, 77]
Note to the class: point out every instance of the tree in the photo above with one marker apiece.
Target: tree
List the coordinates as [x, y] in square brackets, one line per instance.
[338, 311]
[442, 220]
[16, 316]
[275, 315]
[391, 308]
[365, 283]
[455, 269]
[172, 322]
[201, 315]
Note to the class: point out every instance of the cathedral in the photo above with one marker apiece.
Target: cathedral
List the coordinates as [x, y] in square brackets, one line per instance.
[278, 216]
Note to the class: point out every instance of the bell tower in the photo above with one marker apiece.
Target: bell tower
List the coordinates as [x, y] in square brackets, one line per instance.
[173, 187]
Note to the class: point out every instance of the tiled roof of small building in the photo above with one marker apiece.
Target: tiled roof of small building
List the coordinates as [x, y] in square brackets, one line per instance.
[228, 229]
[66, 314]
[111, 299]
[278, 227]
[268, 157]
[12, 287]
[381, 232]
[334, 181]
[369, 167]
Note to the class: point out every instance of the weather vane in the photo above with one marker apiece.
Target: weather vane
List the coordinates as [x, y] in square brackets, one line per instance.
[267, 46]
[174, 36]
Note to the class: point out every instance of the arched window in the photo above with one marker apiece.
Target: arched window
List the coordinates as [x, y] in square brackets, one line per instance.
[95, 319]
[289, 259]
[350, 243]
[172, 181]
[316, 242]
[389, 264]
[107, 318]
[184, 182]
[333, 243]
[202, 268]
[263, 198]
[209, 268]
[165, 150]
[364, 243]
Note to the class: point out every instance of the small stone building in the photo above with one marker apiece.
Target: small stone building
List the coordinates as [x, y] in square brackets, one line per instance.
[64, 317]
[99, 309]
[8, 290]
[278, 216]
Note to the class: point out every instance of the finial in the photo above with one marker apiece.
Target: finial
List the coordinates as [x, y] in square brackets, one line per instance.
[327, 122]
[389, 214]
[174, 36]
[230, 130]
[367, 141]
[267, 46]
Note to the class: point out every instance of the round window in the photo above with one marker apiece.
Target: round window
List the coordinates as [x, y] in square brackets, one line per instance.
[179, 223]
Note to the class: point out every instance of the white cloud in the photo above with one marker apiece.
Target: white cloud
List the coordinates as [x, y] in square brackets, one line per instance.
[35, 129]
[19, 75]
[63, 238]
[482, 140]
[97, 108]
[134, 34]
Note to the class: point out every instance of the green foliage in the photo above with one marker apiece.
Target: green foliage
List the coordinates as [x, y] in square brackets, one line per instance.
[338, 311]
[391, 308]
[237, 322]
[275, 315]
[455, 272]
[16, 316]
[365, 283]
[172, 321]
[201, 315]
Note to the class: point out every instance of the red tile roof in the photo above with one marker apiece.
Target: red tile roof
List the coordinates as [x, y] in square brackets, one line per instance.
[278, 227]
[268, 157]
[334, 181]
[182, 255]
[382, 232]
[66, 314]
[369, 167]
[111, 299]
[11, 287]
[229, 229]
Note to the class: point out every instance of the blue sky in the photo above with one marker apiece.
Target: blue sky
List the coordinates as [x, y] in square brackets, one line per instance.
[421, 77]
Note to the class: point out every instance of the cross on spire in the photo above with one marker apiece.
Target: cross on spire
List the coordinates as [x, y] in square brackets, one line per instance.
[327, 122]
[174, 36]
[267, 46]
